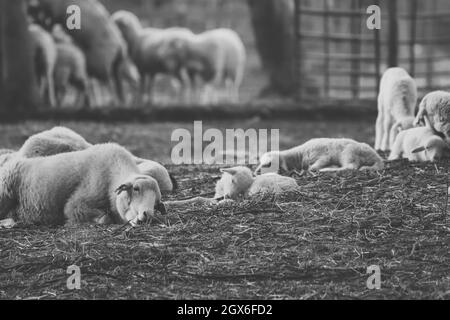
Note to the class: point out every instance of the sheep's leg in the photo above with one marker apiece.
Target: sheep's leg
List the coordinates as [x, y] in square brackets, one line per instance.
[349, 166]
[82, 209]
[387, 123]
[51, 89]
[319, 164]
[379, 125]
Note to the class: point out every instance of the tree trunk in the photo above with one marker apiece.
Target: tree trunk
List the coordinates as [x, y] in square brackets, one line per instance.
[273, 24]
[17, 80]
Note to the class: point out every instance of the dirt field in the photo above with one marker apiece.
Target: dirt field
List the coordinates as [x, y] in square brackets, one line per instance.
[313, 244]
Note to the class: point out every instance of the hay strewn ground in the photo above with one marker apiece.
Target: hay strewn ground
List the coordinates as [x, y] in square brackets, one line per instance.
[313, 244]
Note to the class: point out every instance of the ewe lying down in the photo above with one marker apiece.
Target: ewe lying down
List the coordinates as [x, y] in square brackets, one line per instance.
[323, 154]
[61, 139]
[99, 185]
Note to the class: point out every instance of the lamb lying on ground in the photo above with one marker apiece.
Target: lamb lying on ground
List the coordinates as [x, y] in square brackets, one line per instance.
[435, 108]
[60, 139]
[99, 185]
[419, 144]
[322, 154]
[238, 182]
[396, 105]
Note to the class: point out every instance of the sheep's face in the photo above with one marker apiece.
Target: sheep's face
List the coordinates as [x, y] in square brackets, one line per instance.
[440, 120]
[435, 149]
[271, 162]
[138, 199]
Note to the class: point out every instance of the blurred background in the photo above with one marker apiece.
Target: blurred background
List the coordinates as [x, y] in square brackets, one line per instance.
[277, 55]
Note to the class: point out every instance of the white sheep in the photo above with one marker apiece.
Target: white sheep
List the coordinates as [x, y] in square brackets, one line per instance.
[61, 139]
[166, 181]
[45, 56]
[396, 105]
[434, 112]
[238, 182]
[54, 141]
[216, 57]
[419, 144]
[143, 47]
[70, 70]
[99, 185]
[323, 154]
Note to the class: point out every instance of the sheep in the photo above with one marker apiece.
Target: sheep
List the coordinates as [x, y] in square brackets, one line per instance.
[99, 185]
[60, 140]
[238, 182]
[45, 56]
[156, 170]
[70, 69]
[99, 38]
[322, 154]
[434, 111]
[143, 47]
[216, 56]
[419, 144]
[396, 105]
[51, 142]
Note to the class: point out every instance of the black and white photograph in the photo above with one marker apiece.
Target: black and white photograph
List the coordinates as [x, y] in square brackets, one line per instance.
[224, 155]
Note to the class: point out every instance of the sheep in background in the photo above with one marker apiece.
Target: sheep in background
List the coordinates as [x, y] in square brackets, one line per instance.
[45, 56]
[323, 154]
[215, 57]
[396, 105]
[99, 185]
[143, 47]
[70, 70]
[434, 112]
[99, 38]
[419, 144]
[238, 182]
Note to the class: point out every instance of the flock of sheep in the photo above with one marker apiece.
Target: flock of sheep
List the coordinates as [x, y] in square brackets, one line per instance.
[116, 51]
[58, 177]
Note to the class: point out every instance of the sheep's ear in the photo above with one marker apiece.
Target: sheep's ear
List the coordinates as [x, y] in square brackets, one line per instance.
[229, 170]
[161, 207]
[124, 187]
[419, 149]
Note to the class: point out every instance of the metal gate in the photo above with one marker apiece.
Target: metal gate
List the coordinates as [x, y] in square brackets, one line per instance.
[343, 59]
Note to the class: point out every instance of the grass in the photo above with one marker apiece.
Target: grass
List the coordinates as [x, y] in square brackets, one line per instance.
[312, 244]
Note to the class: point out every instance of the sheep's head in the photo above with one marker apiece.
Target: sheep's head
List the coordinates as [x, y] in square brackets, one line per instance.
[237, 181]
[435, 149]
[271, 162]
[138, 198]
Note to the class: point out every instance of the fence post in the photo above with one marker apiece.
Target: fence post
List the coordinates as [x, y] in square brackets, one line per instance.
[297, 51]
[393, 34]
[412, 36]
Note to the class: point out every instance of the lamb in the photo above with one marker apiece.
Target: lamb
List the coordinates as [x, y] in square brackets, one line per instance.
[396, 105]
[238, 182]
[323, 154]
[61, 139]
[99, 185]
[44, 55]
[434, 111]
[419, 144]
